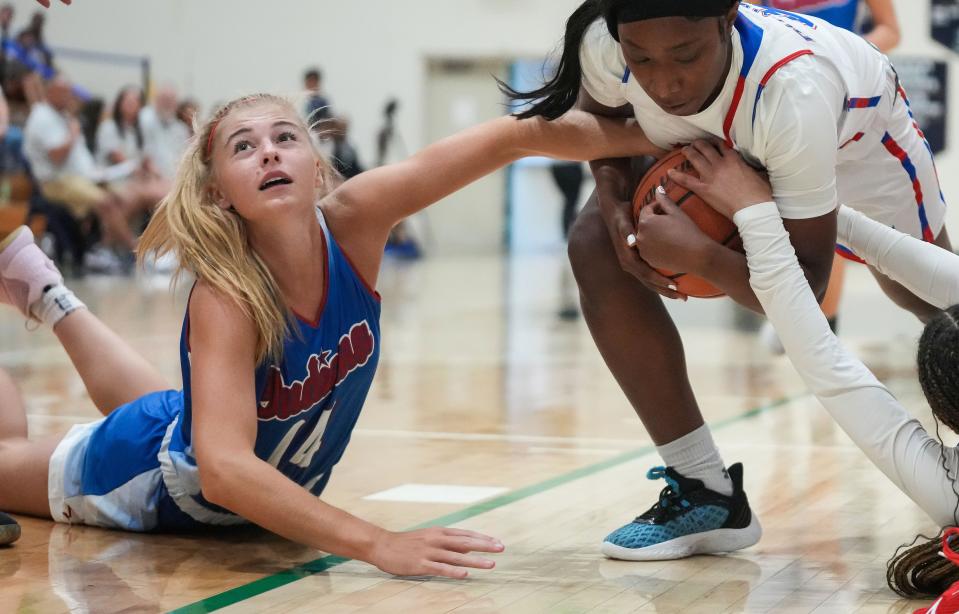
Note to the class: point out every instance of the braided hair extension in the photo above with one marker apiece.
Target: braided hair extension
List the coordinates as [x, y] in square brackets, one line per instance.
[918, 569]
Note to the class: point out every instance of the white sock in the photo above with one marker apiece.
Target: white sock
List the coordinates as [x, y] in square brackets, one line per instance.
[55, 304]
[695, 456]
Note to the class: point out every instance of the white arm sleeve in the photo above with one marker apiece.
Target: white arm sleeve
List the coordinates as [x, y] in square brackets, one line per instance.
[894, 441]
[930, 272]
[603, 65]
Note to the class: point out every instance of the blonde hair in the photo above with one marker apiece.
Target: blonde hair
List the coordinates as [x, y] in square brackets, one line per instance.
[213, 244]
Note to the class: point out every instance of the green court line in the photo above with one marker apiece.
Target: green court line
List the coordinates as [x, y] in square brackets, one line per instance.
[268, 583]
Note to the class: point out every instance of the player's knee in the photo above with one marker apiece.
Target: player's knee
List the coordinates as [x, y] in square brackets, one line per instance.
[588, 242]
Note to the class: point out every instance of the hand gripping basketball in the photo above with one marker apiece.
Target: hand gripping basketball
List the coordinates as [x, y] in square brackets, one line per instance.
[712, 223]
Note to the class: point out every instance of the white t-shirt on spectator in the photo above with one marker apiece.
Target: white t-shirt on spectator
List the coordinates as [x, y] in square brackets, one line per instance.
[47, 129]
[164, 140]
[110, 140]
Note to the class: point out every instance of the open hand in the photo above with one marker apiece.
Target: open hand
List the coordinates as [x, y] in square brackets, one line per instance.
[669, 239]
[725, 181]
[436, 551]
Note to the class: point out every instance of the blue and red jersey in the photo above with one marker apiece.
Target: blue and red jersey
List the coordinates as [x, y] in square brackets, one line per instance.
[841, 13]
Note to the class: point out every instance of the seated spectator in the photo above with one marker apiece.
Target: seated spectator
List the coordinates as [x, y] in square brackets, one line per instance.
[119, 141]
[119, 137]
[164, 136]
[65, 169]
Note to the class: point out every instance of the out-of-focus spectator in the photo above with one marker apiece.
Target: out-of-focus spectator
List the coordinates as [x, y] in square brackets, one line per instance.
[186, 112]
[317, 104]
[345, 159]
[390, 149]
[119, 137]
[64, 166]
[37, 22]
[11, 140]
[120, 141]
[32, 49]
[388, 141]
[164, 135]
[6, 19]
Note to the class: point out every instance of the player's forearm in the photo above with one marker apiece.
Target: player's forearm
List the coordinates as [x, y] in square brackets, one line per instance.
[729, 272]
[884, 37]
[256, 491]
[579, 135]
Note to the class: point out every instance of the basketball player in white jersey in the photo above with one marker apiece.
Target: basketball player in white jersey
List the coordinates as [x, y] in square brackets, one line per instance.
[919, 464]
[816, 106]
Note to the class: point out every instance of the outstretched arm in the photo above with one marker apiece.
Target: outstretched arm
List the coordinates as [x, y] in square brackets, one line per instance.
[232, 476]
[927, 270]
[393, 192]
[376, 200]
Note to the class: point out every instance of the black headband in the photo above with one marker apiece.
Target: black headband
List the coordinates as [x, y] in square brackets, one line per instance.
[617, 12]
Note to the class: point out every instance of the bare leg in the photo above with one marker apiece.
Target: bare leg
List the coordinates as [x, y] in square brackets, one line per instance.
[633, 332]
[112, 371]
[13, 416]
[23, 464]
[903, 297]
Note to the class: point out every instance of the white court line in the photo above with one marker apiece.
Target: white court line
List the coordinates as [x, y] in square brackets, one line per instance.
[436, 493]
[582, 451]
[507, 438]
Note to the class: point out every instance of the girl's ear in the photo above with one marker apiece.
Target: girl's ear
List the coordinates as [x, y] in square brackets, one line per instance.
[218, 198]
[731, 17]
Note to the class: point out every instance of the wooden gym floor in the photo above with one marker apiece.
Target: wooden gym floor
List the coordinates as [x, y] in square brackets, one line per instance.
[490, 412]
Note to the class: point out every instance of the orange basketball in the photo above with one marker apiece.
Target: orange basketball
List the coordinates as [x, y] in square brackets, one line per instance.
[708, 219]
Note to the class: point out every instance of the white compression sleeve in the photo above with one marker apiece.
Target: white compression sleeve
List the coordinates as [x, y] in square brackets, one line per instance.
[894, 441]
[930, 272]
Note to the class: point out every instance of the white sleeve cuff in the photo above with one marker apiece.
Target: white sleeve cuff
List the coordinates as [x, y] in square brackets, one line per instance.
[755, 212]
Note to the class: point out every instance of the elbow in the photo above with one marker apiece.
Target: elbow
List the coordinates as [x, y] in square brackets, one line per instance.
[885, 36]
[893, 37]
[818, 281]
[219, 475]
[819, 289]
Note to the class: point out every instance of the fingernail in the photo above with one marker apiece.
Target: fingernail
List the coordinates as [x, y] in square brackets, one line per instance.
[673, 287]
[661, 190]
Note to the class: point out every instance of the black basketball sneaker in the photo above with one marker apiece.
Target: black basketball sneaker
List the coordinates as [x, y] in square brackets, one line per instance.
[9, 530]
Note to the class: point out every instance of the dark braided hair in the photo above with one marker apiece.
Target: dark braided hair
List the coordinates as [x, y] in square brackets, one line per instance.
[560, 91]
[917, 569]
[938, 361]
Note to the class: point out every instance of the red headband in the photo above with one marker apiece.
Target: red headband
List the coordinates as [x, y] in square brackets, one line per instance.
[209, 141]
